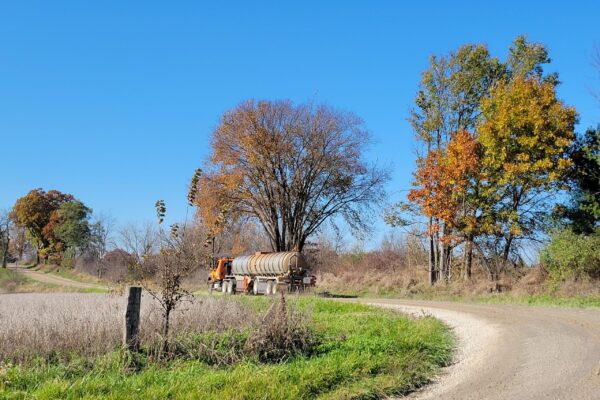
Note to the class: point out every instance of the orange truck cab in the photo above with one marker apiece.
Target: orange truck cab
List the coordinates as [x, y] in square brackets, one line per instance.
[222, 269]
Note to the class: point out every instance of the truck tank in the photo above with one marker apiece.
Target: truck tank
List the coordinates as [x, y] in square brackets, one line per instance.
[270, 264]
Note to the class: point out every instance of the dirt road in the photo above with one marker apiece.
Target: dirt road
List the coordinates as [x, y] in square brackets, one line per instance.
[515, 352]
[54, 279]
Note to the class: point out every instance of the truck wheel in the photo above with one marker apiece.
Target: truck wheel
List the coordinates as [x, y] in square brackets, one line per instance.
[255, 287]
[269, 289]
[224, 286]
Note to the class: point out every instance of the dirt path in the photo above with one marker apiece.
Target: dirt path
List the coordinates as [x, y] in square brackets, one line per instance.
[515, 352]
[54, 279]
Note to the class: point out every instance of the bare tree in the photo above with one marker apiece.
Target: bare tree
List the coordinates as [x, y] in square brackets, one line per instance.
[140, 241]
[102, 228]
[291, 167]
[5, 225]
[19, 243]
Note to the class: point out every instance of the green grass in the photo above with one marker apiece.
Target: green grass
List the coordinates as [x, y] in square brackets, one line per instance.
[15, 282]
[67, 273]
[542, 300]
[546, 299]
[10, 280]
[365, 353]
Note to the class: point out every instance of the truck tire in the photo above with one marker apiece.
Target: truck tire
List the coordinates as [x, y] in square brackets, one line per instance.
[255, 287]
[269, 289]
[224, 286]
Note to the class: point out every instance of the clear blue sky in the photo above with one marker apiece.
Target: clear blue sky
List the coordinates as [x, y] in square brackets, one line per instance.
[114, 101]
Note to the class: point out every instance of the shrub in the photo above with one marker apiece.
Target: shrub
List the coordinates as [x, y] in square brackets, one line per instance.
[283, 334]
[569, 255]
[212, 348]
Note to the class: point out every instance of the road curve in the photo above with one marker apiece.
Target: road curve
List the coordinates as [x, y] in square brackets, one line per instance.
[515, 352]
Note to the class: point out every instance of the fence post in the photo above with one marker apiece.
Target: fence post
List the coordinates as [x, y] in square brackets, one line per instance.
[132, 319]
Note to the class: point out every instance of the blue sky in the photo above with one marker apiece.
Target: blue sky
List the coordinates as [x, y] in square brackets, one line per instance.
[115, 101]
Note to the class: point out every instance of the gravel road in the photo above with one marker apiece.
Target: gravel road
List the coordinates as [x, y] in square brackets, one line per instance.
[55, 279]
[515, 352]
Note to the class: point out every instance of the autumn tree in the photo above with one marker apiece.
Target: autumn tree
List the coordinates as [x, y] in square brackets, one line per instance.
[290, 167]
[34, 212]
[525, 132]
[447, 102]
[451, 100]
[444, 181]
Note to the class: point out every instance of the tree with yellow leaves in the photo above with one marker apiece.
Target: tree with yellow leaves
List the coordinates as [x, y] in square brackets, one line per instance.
[525, 132]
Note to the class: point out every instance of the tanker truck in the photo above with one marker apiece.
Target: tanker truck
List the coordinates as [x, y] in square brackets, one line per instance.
[261, 273]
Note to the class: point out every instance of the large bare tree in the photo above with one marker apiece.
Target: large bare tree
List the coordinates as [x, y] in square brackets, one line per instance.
[292, 167]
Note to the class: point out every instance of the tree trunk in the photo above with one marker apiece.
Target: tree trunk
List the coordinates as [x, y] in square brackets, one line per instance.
[468, 261]
[5, 250]
[506, 251]
[432, 266]
[165, 330]
[436, 247]
[448, 261]
[444, 258]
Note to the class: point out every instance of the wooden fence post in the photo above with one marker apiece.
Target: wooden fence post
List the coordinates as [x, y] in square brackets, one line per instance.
[132, 319]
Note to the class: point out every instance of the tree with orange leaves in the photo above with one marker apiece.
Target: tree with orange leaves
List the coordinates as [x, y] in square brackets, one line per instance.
[291, 168]
[34, 212]
[443, 183]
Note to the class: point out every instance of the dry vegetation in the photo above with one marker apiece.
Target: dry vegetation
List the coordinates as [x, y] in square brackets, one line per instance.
[61, 326]
[399, 268]
[67, 324]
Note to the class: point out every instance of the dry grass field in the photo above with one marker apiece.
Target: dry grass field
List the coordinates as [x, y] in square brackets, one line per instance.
[63, 325]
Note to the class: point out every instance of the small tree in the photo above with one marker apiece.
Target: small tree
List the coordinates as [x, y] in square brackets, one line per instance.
[163, 273]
